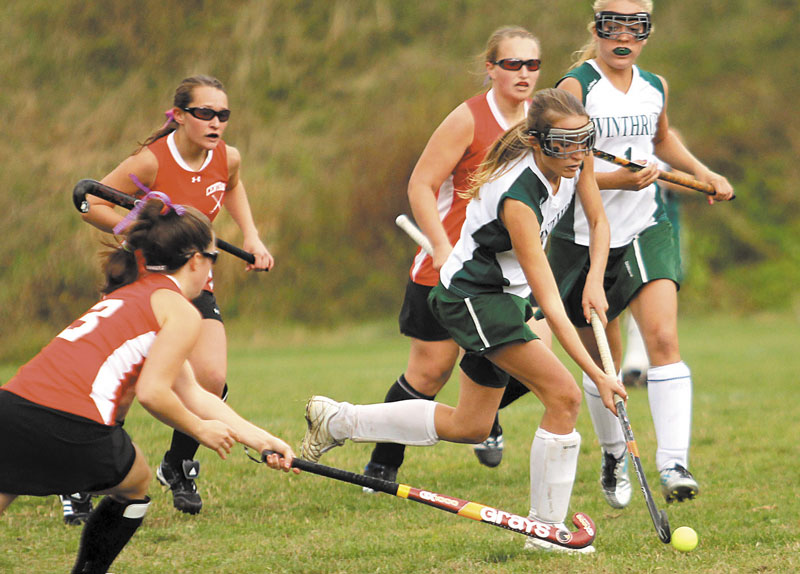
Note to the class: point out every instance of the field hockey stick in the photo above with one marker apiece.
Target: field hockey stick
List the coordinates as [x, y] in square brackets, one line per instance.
[404, 223]
[581, 538]
[660, 520]
[677, 179]
[91, 187]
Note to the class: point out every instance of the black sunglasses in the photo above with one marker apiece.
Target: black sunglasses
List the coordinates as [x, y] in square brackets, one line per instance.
[210, 255]
[208, 114]
[514, 64]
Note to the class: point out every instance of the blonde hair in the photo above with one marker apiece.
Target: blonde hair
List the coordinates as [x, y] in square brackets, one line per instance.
[547, 107]
[504, 33]
[589, 50]
[493, 46]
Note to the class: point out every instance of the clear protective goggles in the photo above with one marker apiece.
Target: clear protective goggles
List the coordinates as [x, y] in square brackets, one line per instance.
[610, 25]
[562, 143]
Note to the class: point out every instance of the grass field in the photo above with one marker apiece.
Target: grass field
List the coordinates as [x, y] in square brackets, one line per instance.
[745, 455]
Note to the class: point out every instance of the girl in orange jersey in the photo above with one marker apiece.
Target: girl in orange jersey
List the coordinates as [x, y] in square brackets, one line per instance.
[188, 157]
[452, 154]
[64, 409]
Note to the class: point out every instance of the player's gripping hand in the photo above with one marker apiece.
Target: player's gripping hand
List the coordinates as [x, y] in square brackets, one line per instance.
[636, 180]
[281, 458]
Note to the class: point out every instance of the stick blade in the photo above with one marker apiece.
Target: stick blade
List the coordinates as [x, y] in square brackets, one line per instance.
[663, 529]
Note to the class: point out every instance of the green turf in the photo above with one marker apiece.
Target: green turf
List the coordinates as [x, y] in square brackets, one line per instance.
[745, 455]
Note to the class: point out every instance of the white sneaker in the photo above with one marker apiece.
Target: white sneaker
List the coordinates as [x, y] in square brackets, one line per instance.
[614, 480]
[677, 483]
[318, 439]
[532, 543]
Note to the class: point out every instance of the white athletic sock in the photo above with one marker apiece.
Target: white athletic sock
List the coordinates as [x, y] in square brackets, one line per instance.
[405, 422]
[606, 425]
[554, 461]
[669, 389]
[635, 351]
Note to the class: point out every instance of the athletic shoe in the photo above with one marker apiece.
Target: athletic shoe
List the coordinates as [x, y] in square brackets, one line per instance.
[181, 482]
[377, 470]
[614, 480]
[677, 483]
[634, 377]
[532, 543]
[318, 439]
[490, 451]
[77, 507]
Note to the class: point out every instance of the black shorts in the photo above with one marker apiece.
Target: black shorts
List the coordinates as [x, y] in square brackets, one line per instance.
[44, 451]
[416, 319]
[206, 303]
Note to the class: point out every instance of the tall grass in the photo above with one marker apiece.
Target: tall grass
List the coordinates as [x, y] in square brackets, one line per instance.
[333, 103]
[744, 454]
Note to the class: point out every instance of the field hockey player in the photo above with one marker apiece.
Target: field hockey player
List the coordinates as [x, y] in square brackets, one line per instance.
[483, 299]
[65, 408]
[629, 108]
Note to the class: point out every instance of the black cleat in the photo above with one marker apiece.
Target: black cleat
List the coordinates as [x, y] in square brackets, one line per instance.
[377, 470]
[77, 507]
[181, 482]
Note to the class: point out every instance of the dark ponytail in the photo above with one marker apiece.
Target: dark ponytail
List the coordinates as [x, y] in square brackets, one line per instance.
[162, 238]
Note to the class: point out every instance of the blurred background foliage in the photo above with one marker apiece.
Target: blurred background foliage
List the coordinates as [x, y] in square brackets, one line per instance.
[333, 102]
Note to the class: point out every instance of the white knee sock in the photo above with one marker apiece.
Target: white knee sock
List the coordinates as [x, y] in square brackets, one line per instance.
[606, 425]
[554, 461]
[669, 389]
[405, 422]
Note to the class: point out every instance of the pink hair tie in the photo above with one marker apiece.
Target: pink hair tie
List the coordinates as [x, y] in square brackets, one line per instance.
[170, 115]
[168, 205]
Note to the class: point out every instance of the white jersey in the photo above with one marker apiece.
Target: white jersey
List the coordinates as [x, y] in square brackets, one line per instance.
[625, 124]
[483, 260]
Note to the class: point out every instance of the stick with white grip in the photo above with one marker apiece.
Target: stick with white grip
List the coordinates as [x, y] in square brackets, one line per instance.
[404, 223]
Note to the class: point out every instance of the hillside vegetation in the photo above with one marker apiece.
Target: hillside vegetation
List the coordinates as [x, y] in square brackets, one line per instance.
[333, 101]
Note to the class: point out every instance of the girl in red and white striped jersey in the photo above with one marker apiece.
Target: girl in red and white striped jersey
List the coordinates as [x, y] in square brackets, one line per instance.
[64, 409]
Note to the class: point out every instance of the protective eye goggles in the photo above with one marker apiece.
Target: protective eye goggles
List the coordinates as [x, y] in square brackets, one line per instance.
[208, 114]
[610, 25]
[561, 143]
[514, 64]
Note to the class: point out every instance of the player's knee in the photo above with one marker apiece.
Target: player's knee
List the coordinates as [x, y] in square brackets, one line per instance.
[474, 433]
[212, 379]
[664, 343]
[566, 402]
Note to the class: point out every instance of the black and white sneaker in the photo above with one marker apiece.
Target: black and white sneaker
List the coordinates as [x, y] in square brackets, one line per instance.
[490, 451]
[181, 482]
[677, 483]
[615, 481]
[77, 507]
[377, 470]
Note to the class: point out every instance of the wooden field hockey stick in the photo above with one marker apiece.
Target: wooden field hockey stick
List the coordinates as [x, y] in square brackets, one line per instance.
[677, 179]
[91, 187]
[660, 520]
[576, 540]
[404, 223]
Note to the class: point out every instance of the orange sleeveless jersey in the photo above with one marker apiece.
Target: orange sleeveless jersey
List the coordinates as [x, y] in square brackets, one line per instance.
[91, 367]
[452, 207]
[203, 189]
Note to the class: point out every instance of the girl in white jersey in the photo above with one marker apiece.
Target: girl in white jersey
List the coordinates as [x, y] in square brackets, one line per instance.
[61, 415]
[483, 299]
[454, 151]
[629, 109]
